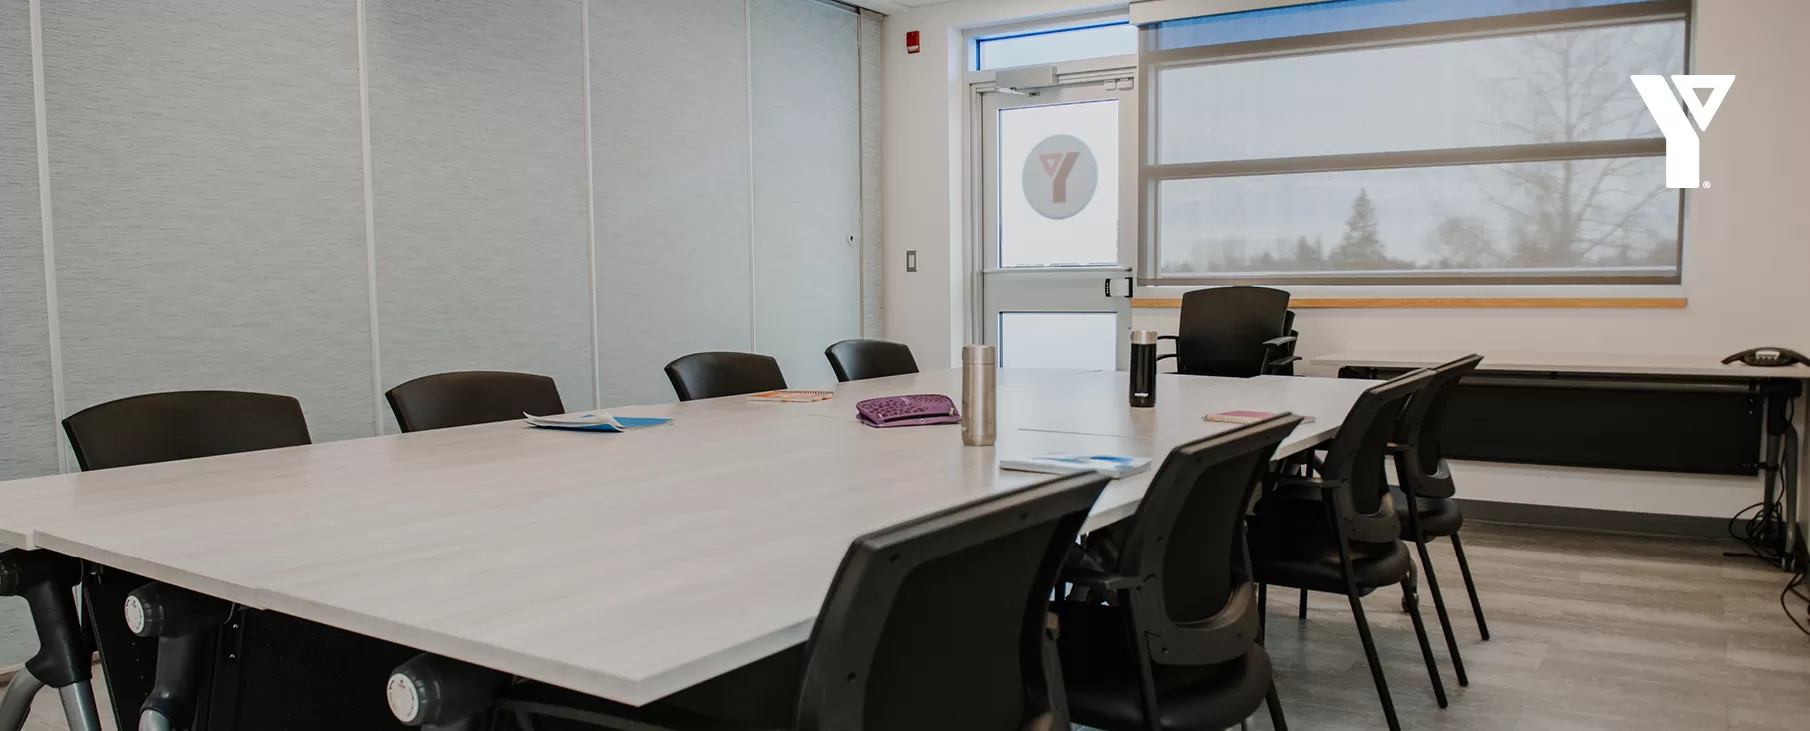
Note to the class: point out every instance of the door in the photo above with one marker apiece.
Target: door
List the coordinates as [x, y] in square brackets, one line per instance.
[1055, 283]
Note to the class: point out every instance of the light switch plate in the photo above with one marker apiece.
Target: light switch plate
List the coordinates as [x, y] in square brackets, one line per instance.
[911, 260]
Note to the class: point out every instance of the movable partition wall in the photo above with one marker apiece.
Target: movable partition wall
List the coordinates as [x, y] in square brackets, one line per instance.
[216, 219]
[326, 198]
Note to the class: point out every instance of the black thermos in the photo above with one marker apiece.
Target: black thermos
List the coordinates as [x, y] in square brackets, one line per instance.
[1143, 368]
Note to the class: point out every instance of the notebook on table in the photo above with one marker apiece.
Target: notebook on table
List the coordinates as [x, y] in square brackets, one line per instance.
[594, 421]
[1110, 465]
[792, 397]
[1247, 417]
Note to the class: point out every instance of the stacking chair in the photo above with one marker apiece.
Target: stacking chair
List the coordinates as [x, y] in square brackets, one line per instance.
[1237, 332]
[164, 427]
[1426, 485]
[941, 622]
[716, 374]
[1288, 359]
[1339, 532]
[1176, 646]
[858, 360]
[472, 397]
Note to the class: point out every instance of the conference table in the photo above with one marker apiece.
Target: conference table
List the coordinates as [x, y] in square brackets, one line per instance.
[626, 566]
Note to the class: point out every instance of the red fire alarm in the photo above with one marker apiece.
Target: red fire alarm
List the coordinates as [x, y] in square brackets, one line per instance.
[911, 41]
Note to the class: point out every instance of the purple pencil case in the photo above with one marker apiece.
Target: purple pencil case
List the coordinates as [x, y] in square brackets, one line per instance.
[913, 410]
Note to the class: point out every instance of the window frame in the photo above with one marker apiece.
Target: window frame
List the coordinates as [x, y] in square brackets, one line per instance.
[973, 38]
[1151, 174]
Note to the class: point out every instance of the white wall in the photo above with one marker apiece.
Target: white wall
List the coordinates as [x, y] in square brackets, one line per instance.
[922, 190]
[1747, 240]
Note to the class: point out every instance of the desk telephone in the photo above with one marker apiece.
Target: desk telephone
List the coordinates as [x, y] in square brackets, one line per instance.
[1767, 357]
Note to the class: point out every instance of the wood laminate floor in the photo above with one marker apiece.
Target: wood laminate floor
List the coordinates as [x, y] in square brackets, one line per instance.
[1589, 631]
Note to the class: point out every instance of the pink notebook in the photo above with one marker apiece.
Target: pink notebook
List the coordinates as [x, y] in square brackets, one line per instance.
[1247, 417]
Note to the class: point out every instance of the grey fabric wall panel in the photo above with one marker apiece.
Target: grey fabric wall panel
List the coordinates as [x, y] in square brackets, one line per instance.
[28, 446]
[206, 174]
[669, 81]
[807, 183]
[873, 254]
[477, 161]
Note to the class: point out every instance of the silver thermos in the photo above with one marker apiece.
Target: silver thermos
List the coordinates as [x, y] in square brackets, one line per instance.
[980, 366]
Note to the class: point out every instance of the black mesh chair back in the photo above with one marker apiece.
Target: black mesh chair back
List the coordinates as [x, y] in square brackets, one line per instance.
[719, 373]
[1358, 454]
[940, 623]
[464, 398]
[858, 360]
[1197, 605]
[163, 427]
[1418, 431]
[1224, 331]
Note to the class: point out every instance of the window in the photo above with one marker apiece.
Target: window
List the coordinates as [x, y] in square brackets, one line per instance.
[1054, 46]
[1512, 152]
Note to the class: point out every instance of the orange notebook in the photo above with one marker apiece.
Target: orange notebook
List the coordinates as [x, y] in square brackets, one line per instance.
[792, 397]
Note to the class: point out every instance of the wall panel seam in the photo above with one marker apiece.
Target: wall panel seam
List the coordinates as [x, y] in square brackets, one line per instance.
[58, 405]
[861, 174]
[590, 205]
[364, 126]
[753, 272]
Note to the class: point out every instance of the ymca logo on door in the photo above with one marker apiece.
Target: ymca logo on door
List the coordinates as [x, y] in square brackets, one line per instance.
[1060, 176]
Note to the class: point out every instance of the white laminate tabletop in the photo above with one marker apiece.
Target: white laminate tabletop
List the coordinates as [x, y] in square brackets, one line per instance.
[1658, 365]
[626, 566]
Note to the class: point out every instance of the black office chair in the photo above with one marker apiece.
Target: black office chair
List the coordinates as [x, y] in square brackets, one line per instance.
[1238, 332]
[1426, 484]
[858, 360]
[1176, 647]
[941, 622]
[464, 398]
[1339, 532]
[1288, 359]
[719, 373]
[164, 427]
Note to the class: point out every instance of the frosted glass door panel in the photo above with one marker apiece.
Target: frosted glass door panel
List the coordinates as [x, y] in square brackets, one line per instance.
[1059, 184]
[807, 184]
[477, 161]
[1087, 340]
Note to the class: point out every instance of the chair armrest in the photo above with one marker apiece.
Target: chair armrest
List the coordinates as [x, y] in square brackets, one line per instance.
[1168, 337]
[1102, 580]
[1279, 342]
[1165, 356]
